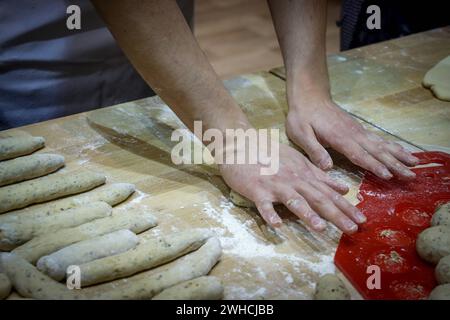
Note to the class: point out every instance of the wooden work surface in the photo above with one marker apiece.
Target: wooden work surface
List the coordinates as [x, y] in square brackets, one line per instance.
[381, 83]
[131, 143]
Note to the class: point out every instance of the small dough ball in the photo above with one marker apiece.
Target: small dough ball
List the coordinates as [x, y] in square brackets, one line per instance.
[434, 243]
[441, 292]
[330, 287]
[442, 271]
[442, 216]
[5, 286]
[240, 201]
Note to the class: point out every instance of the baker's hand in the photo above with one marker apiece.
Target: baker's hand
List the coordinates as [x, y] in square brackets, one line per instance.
[303, 188]
[314, 123]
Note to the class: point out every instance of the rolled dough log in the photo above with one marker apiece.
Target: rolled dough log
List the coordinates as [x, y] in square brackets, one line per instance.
[13, 147]
[5, 286]
[48, 243]
[433, 243]
[442, 270]
[55, 264]
[240, 200]
[147, 284]
[30, 283]
[442, 215]
[47, 188]
[202, 288]
[145, 256]
[29, 167]
[438, 79]
[330, 287]
[112, 194]
[441, 292]
[13, 234]
[13, 133]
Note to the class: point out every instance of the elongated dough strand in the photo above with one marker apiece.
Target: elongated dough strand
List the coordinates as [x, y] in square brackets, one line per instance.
[201, 288]
[56, 264]
[29, 167]
[48, 243]
[13, 147]
[13, 234]
[47, 188]
[145, 256]
[30, 283]
[112, 194]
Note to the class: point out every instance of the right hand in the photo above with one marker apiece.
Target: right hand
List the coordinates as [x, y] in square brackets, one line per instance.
[304, 189]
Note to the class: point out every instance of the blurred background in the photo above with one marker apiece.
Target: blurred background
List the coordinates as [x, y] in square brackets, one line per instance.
[238, 35]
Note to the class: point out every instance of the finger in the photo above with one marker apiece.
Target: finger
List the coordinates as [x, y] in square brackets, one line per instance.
[265, 208]
[395, 166]
[321, 204]
[401, 154]
[356, 154]
[346, 207]
[298, 205]
[323, 176]
[307, 140]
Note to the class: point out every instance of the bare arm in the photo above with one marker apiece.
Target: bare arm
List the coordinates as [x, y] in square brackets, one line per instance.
[156, 38]
[314, 120]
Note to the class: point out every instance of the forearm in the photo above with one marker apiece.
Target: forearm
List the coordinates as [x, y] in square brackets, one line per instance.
[301, 27]
[158, 42]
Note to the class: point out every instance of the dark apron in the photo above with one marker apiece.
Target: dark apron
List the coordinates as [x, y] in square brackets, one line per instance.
[48, 71]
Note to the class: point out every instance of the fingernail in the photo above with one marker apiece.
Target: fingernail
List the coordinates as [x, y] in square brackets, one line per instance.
[318, 223]
[413, 159]
[350, 226]
[275, 220]
[386, 174]
[409, 173]
[326, 163]
[360, 217]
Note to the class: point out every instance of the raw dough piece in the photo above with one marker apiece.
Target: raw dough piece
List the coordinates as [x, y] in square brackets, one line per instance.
[146, 255]
[240, 200]
[438, 79]
[147, 284]
[442, 270]
[5, 286]
[47, 188]
[441, 292]
[330, 287]
[112, 194]
[13, 147]
[55, 264]
[48, 243]
[442, 215]
[434, 243]
[30, 283]
[29, 167]
[202, 288]
[13, 234]
[13, 133]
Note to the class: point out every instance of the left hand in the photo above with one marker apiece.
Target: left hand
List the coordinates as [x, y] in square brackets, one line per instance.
[314, 123]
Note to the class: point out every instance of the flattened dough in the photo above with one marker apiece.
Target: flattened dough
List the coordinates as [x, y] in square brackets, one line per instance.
[438, 79]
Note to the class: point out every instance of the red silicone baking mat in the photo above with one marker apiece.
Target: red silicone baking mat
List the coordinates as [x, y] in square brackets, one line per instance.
[396, 213]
